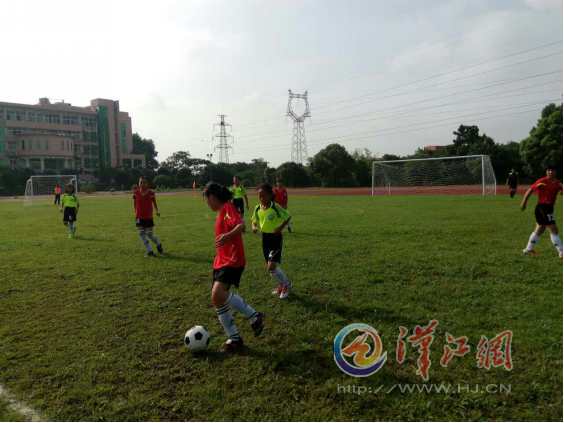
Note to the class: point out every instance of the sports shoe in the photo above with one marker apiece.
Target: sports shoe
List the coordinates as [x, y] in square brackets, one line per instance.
[277, 290]
[531, 253]
[150, 254]
[285, 291]
[160, 249]
[258, 324]
[231, 346]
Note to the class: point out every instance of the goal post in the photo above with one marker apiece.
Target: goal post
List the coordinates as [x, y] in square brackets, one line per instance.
[38, 185]
[472, 174]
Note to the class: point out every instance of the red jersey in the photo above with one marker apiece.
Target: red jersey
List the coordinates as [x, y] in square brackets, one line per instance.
[58, 190]
[143, 203]
[547, 189]
[281, 196]
[231, 253]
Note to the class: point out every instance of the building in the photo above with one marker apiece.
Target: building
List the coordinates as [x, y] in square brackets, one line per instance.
[55, 136]
[431, 148]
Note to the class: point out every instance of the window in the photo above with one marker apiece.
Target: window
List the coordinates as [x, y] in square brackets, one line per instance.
[53, 118]
[70, 120]
[137, 163]
[35, 164]
[12, 146]
[23, 144]
[10, 115]
[126, 163]
[37, 145]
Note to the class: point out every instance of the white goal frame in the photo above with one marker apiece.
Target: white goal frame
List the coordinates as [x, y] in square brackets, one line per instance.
[484, 161]
[29, 185]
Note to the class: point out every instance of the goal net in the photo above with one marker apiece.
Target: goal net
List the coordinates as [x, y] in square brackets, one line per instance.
[436, 175]
[41, 185]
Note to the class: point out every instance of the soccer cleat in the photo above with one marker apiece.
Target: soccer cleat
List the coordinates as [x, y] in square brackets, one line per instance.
[160, 249]
[277, 289]
[531, 253]
[150, 254]
[285, 291]
[232, 346]
[258, 324]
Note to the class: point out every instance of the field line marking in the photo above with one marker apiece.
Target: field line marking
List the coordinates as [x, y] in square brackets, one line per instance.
[29, 413]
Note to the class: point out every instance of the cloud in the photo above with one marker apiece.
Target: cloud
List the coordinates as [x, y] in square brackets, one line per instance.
[544, 4]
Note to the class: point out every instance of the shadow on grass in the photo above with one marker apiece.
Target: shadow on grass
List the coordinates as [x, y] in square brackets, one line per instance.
[194, 258]
[350, 313]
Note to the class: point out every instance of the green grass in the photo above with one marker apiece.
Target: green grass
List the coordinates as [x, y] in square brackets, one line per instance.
[92, 330]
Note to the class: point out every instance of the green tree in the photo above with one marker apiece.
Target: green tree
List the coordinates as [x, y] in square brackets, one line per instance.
[334, 166]
[147, 148]
[293, 174]
[543, 146]
[469, 141]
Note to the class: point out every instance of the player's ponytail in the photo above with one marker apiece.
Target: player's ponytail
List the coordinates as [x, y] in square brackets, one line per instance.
[218, 191]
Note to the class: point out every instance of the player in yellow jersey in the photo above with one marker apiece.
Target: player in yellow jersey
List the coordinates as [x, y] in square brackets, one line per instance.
[69, 208]
[271, 219]
[239, 194]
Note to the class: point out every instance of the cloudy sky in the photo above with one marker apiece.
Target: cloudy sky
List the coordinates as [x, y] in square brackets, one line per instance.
[389, 76]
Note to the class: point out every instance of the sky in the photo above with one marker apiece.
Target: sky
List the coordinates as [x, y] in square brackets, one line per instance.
[387, 76]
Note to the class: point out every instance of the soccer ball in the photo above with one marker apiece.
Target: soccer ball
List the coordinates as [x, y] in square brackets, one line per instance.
[197, 339]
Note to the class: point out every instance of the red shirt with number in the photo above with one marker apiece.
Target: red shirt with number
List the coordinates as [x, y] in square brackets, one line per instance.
[232, 253]
[547, 189]
[281, 197]
[143, 203]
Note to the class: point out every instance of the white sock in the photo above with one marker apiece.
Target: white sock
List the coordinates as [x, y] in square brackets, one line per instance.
[280, 276]
[239, 304]
[152, 237]
[556, 241]
[226, 319]
[533, 239]
[143, 236]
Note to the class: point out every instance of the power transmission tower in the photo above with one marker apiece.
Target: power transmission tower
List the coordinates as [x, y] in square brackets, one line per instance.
[299, 146]
[223, 144]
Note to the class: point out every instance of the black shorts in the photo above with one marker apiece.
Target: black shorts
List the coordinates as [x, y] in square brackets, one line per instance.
[69, 214]
[144, 223]
[272, 247]
[228, 275]
[239, 205]
[544, 214]
[57, 198]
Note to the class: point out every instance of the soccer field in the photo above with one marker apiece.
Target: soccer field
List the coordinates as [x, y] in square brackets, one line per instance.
[91, 329]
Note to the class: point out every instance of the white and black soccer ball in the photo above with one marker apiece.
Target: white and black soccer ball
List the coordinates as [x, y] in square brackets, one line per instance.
[197, 339]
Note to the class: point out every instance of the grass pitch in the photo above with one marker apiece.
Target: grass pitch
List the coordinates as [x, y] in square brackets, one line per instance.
[92, 330]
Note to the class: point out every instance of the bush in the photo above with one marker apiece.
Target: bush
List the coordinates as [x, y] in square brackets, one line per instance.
[88, 188]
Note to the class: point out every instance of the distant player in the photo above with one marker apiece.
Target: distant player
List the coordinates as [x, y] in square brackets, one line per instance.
[143, 202]
[547, 189]
[228, 266]
[281, 197]
[58, 191]
[69, 208]
[512, 182]
[272, 219]
[240, 199]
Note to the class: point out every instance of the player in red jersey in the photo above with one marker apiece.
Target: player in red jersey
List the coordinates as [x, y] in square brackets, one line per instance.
[547, 189]
[281, 197]
[143, 202]
[228, 266]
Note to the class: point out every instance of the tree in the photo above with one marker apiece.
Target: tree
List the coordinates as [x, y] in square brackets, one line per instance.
[543, 146]
[363, 167]
[334, 166]
[293, 174]
[469, 141]
[147, 148]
